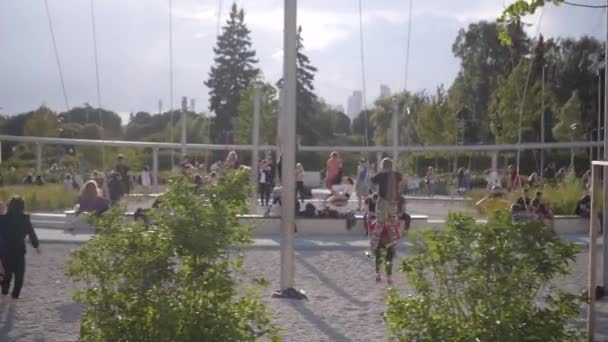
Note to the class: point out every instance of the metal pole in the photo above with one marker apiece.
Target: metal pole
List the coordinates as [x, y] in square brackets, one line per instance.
[255, 140]
[288, 142]
[38, 158]
[605, 169]
[0, 152]
[542, 122]
[155, 169]
[592, 259]
[599, 113]
[184, 125]
[395, 126]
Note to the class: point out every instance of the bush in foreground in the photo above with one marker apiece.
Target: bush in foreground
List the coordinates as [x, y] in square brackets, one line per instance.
[485, 282]
[172, 280]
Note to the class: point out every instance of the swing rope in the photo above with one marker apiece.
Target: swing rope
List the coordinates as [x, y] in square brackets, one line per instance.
[171, 128]
[363, 83]
[98, 88]
[57, 59]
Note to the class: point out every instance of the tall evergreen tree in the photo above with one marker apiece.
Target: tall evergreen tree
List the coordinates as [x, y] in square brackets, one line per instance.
[307, 103]
[234, 70]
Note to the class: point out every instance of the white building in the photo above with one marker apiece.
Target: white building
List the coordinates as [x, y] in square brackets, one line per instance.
[385, 91]
[355, 104]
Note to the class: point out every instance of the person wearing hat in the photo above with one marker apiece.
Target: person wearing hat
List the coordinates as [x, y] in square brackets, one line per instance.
[362, 185]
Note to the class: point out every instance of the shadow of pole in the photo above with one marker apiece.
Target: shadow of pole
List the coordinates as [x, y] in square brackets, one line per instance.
[315, 320]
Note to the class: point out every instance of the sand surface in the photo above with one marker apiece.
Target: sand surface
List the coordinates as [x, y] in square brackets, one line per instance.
[345, 303]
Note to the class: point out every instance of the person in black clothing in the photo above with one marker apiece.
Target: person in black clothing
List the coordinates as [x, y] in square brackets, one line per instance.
[123, 169]
[115, 187]
[14, 227]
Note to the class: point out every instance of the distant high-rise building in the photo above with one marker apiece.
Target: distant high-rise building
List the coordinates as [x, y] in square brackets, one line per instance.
[355, 104]
[192, 105]
[385, 91]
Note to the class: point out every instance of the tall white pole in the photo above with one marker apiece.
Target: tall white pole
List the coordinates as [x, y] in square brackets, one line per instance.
[255, 140]
[38, 158]
[605, 192]
[395, 127]
[542, 123]
[184, 125]
[155, 169]
[288, 146]
[592, 281]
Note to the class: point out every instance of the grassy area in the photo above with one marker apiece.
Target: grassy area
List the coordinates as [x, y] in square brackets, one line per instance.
[561, 198]
[46, 197]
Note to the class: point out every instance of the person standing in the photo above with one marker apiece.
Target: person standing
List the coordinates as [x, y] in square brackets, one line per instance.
[362, 185]
[387, 210]
[232, 161]
[264, 184]
[300, 181]
[123, 170]
[429, 180]
[333, 168]
[15, 225]
[146, 180]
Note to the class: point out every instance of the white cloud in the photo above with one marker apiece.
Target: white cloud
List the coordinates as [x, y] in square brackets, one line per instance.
[278, 56]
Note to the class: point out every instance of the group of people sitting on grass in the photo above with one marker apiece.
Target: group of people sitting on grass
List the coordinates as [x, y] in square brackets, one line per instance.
[526, 209]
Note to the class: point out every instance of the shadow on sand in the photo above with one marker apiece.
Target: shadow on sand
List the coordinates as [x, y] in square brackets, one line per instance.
[315, 320]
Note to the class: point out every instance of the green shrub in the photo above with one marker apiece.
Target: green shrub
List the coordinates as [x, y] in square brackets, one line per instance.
[485, 282]
[562, 198]
[174, 279]
[48, 197]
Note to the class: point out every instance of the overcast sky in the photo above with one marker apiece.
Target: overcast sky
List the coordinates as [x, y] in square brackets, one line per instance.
[133, 43]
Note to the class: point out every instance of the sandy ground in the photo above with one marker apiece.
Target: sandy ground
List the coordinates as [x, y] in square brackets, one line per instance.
[345, 304]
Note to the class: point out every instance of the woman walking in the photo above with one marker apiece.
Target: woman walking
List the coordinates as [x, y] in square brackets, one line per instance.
[385, 234]
[14, 227]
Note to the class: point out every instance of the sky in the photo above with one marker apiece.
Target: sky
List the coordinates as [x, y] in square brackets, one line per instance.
[133, 47]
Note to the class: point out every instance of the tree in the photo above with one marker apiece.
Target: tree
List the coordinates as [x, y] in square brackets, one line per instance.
[43, 123]
[306, 125]
[178, 279]
[514, 12]
[92, 155]
[569, 126]
[359, 124]
[233, 72]
[436, 124]
[483, 60]
[486, 282]
[506, 107]
[110, 121]
[268, 115]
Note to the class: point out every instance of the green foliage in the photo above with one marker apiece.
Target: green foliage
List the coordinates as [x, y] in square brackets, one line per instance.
[569, 126]
[110, 121]
[562, 198]
[44, 197]
[485, 282]
[436, 124]
[233, 72]
[307, 104]
[174, 279]
[43, 123]
[506, 106]
[268, 115]
[514, 12]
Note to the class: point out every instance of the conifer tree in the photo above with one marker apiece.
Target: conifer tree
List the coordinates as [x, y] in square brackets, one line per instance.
[234, 70]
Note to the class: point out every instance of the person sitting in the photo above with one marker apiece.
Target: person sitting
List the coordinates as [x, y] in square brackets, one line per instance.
[310, 211]
[90, 200]
[39, 180]
[349, 187]
[29, 179]
[583, 207]
[198, 183]
[541, 208]
[68, 182]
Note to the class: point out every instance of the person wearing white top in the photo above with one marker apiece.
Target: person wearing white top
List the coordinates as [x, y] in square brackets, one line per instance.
[146, 180]
[300, 181]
